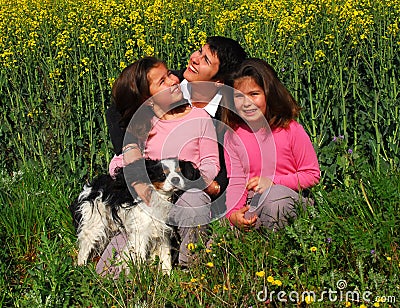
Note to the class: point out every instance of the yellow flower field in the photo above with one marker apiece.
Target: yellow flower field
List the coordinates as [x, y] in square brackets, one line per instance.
[63, 56]
[130, 29]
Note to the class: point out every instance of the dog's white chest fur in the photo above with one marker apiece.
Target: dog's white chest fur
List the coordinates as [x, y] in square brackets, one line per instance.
[147, 232]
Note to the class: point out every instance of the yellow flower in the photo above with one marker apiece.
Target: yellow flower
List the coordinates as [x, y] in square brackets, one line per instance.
[319, 54]
[347, 304]
[167, 37]
[208, 250]
[308, 299]
[277, 283]
[313, 249]
[216, 288]
[270, 279]
[376, 304]
[260, 274]
[191, 246]
[389, 258]
[210, 264]
[193, 280]
[111, 81]
[149, 50]
[363, 306]
[141, 42]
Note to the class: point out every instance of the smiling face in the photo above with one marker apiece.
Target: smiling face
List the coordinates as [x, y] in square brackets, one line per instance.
[164, 86]
[250, 101]
[203, 65]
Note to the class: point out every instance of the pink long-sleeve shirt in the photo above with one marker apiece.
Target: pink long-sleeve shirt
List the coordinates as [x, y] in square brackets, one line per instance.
[286, 156]
[191, 138]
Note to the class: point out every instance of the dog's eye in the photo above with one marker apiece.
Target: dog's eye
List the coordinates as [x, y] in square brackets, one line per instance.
[163, 176]
[178, 169]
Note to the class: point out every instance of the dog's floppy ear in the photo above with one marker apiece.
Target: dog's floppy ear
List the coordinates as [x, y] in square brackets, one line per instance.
[188, 170]
[155, 170]
[192, 175]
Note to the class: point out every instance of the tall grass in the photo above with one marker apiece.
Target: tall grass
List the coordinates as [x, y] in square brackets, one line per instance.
[339, 239]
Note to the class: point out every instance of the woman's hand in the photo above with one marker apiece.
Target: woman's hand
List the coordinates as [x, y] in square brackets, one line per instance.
[239, 221]
[213, 189]
[131, 152]
[259, 184]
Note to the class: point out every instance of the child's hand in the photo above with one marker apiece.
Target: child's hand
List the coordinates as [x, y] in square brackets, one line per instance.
[238, 220]
[144, 191]
[259, 184]
[131, 153]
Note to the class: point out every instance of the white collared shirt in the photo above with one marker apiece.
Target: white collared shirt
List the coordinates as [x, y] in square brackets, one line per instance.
[211, 107]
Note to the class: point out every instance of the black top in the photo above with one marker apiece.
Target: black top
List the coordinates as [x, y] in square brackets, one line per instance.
[117, 133]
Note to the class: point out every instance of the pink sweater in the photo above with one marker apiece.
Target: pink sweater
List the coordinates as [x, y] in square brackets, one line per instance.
[192, 138]
[287, 157]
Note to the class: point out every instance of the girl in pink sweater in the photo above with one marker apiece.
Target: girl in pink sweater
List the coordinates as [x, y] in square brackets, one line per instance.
[159, 123]
[269, 156]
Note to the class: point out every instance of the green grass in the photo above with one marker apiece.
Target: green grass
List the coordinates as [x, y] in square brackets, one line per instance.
[353, 231]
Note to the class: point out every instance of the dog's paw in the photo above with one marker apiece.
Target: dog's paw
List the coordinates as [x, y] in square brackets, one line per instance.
[167, 271]
[82, 260]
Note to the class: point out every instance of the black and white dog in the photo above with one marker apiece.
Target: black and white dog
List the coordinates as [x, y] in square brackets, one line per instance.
[108, 205]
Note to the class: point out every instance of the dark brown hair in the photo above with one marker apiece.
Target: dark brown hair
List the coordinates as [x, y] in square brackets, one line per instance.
[281, 106]
[130, 90]
[230, 54]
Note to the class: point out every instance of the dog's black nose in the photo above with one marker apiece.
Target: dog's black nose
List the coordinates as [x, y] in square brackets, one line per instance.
[175, 180]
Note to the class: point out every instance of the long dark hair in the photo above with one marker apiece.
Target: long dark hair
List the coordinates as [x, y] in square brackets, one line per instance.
[281, 109]
[130, 90]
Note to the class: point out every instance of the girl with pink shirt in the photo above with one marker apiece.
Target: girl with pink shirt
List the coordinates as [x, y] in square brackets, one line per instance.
[158, 123]
[269, 157]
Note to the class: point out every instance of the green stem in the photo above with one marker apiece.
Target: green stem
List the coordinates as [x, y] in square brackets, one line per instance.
[310, 96]
[341, 88]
